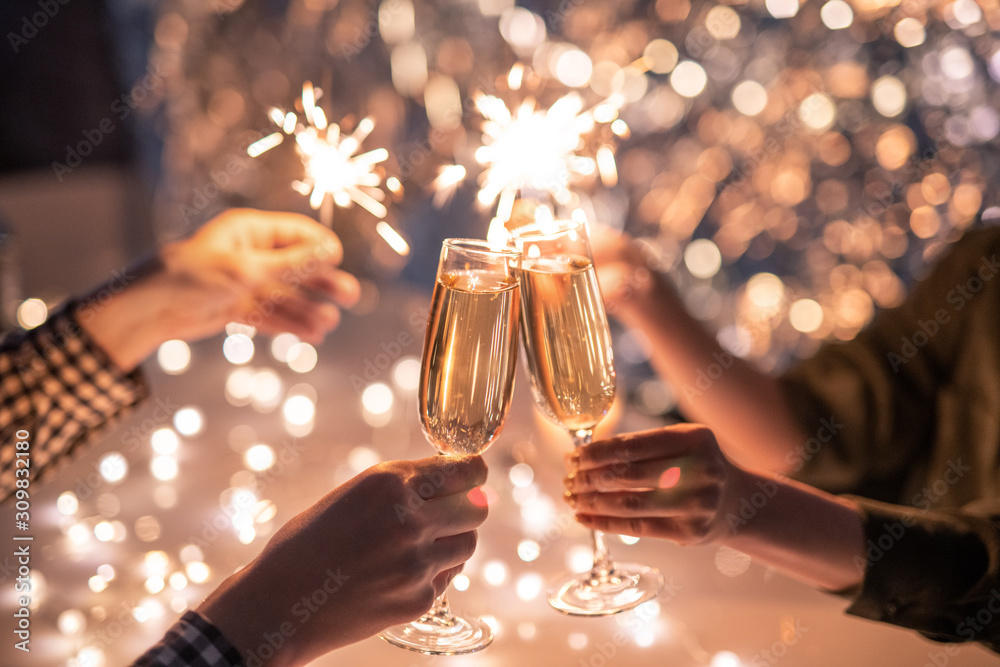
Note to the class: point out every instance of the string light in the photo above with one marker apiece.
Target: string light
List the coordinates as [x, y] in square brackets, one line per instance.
[743, 161]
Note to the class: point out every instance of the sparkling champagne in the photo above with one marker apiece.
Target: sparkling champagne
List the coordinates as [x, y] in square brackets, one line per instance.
[566, 340]
[470, 354]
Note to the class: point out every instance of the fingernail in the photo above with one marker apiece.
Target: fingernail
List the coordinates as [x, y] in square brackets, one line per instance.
[574, 458]
[569, 481]
[570, 499]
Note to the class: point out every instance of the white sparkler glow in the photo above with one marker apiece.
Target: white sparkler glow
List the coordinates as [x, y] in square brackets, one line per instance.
[332, 169]
[537, 150]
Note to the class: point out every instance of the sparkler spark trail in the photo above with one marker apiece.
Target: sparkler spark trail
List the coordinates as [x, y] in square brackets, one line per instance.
[540, 150]
[333, 173]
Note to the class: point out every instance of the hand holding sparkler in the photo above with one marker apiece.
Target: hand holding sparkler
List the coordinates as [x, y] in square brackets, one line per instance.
[274, 271]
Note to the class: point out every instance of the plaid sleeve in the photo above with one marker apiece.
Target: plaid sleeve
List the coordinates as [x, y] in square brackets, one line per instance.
[194, 641]
[57, 384]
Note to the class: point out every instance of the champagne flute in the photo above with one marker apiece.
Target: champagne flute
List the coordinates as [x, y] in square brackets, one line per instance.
[567, 345]
[466, 383]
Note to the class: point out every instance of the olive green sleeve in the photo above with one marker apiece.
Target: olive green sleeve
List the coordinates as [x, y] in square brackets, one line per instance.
[881, 391]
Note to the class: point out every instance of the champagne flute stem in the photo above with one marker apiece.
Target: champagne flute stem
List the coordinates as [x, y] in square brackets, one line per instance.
[603, 564]
[440, 607]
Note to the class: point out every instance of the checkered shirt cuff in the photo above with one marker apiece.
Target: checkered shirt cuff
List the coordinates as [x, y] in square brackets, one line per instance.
[193, 641]
[61, 387]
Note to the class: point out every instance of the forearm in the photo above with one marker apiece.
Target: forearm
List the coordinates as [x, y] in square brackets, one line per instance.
[241, 611]
[806, 533]
[126, 315]
[745, 407]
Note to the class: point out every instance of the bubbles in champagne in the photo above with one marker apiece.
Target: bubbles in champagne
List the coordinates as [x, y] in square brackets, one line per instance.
[469, 360]
[567, 341]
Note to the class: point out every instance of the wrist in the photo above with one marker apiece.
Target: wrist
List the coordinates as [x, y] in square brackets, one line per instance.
[811, 535]
[124, 317]
[237, 612]
[644, 295]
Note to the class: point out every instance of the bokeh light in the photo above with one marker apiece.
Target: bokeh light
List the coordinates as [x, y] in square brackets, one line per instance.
[688, 78]
[32, 313]
[174, 357]
[259, 457]
[238, 349]
[302, 357]
[189, 420]
[113, 467]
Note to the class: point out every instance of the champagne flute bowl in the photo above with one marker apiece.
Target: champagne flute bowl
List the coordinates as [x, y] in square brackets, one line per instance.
[466, 383]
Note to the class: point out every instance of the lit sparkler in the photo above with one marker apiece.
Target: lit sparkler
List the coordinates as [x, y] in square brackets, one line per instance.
[536, 150]
[333, 173]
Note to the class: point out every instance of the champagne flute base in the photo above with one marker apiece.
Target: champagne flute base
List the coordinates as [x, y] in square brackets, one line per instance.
[626, 586]
[440, 634]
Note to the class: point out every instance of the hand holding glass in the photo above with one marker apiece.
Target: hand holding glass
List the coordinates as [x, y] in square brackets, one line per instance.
[567, 345]
[466, 383]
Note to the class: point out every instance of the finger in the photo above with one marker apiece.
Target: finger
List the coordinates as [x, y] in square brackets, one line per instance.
[444, 579]
[636, 526]
[652, 474]
[298, 262]
[452, 515]
[315, 317]
[439, 476]
[453, 550]
[673, 503]
[666, 442]
[277, 322]
[306, 319]
[339, 286]
[279, 229]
